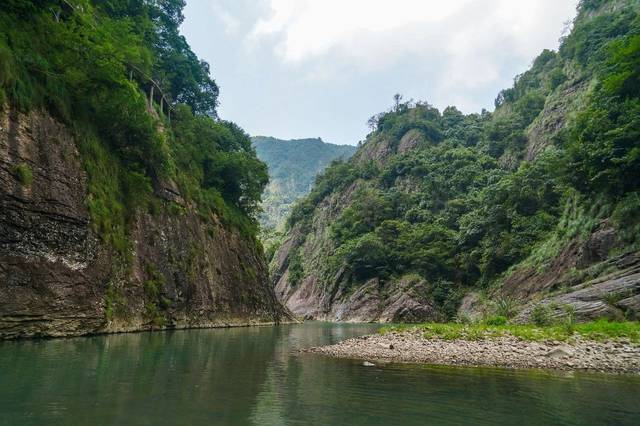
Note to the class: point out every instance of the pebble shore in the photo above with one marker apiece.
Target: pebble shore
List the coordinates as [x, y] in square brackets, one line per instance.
[412, 347]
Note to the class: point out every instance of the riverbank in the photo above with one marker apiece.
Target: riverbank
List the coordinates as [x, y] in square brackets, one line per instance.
[495, 347]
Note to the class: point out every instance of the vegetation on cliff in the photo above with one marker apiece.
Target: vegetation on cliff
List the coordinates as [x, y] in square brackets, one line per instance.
[293, 166]
[473, 196]
[142, 104]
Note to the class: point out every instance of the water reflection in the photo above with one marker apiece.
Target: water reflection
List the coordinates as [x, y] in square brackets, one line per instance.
[255, 376]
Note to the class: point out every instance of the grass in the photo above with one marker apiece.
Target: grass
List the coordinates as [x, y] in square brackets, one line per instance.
[23, 173]
[600, 330]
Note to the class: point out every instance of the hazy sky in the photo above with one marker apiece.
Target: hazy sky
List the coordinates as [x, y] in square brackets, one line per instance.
[321, 68]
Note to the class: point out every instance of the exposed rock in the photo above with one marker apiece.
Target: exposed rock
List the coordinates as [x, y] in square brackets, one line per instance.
[554, 117]
[597, 247]
[404, 300]
[611, 296]
[408, 301]
[410, 140]
[58, 278]
[376, 149]
[631, 306]
[560, 352]
[576, 255]
[168, 190]
[471, 307]
[505, 351]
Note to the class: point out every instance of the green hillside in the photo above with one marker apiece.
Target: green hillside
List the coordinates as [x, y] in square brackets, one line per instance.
[141, 103]
[293, 166]
[461, 202]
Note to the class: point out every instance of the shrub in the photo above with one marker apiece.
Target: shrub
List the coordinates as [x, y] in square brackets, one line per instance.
[506, 307]
[569, 320]
[496, 320]
[541, 315]
[23, 173]
[296, 269]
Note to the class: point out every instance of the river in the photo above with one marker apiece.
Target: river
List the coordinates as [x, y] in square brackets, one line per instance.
[255, 376]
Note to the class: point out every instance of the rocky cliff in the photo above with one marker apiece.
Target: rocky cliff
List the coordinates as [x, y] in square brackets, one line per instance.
[330, 296]
[59, 278]
[520, 212]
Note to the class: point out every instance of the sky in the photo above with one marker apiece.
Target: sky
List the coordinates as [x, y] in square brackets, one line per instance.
[320, 68]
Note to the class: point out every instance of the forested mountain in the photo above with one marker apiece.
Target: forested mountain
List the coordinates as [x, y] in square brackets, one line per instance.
[293, 166]
[116, 178]
[531, 210]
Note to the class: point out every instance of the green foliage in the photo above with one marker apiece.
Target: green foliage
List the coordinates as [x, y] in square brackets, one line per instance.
[296, 269]
[589, 38]
[506, 307]
[496, 320]
[155, 302]
[599, 330]
[569, 319]
[365, 255]
[603, 150]
[405, 117]
[336, 177]
[23, 173]
[541, 315]
[293, 166]
[219, 163]
[626, 218]
[91, 63]
[272, 240]
[462, 207]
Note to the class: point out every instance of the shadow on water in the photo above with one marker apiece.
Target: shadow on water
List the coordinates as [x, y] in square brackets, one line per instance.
[255, 376]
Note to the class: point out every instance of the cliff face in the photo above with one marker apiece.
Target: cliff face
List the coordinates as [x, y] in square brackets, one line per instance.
[594, 275]
[332, 297]
[58, 278]
[529, 212]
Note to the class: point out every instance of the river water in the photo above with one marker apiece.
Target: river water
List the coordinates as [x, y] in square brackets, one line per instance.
[255, 376]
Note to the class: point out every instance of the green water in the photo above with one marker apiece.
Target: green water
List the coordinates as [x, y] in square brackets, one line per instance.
[254, 376]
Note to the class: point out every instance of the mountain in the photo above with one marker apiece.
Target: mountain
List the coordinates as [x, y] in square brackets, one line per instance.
[529, 212]
[123, 204]
[293, 167]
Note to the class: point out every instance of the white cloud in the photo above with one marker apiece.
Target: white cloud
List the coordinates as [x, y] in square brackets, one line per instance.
[294, 68]
[471, 40]
[230, 23]
[313, 27]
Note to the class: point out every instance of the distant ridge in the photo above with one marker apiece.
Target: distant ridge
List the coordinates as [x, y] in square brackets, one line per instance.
[293, 166]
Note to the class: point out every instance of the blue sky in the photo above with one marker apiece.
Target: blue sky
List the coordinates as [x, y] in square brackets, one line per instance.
[321, 68]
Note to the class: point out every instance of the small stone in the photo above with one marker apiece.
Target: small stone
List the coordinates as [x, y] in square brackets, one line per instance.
[560, 352]
[390, 346]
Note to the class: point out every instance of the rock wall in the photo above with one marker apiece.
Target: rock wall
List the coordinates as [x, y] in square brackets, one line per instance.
[57, 278]
[334, 298]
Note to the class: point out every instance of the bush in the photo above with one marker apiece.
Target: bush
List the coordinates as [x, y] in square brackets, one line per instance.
[569, 319]
[23, 173]
[506, 307]
[496, 320]
[296, 269]
[541, 315]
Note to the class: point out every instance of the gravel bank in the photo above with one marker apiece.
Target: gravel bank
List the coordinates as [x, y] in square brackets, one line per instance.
[510, 352]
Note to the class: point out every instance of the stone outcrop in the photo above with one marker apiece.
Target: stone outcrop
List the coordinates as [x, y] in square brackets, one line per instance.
[615, 296]
[58, 278]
